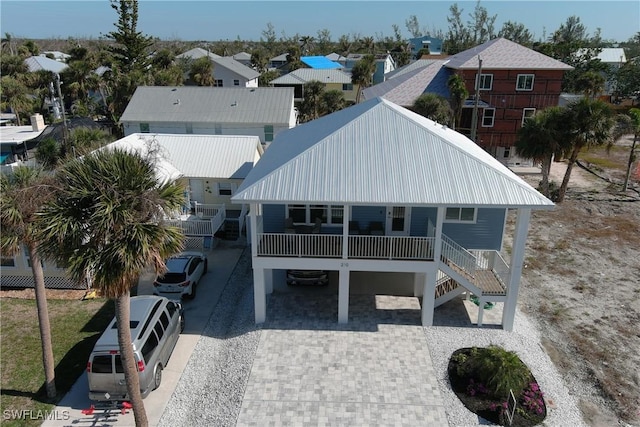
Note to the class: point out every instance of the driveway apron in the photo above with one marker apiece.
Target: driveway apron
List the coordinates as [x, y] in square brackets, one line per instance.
[310, 370]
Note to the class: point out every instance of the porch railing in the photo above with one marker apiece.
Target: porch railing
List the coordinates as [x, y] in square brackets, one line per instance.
[501, 269]
[330, 246]
[456, 254]
[207, 210]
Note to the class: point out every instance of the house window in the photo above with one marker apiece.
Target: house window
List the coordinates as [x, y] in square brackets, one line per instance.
[507, 152]
[524, 82]
[460, 215]
[7, 261]
[307, 214]
[144, 127]
[347, 86]
[488, 116]
[486, 82]
[268, 133]
[225, 188]
[217, 83]
[528, 113]
[235, 83]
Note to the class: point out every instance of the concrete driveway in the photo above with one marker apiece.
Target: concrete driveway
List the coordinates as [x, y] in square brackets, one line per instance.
[222, 261]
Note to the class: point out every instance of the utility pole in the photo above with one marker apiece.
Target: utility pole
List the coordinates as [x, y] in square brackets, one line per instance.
[65, 131]
[474, 118]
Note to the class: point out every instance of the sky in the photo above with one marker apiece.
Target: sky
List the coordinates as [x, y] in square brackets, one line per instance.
[229, 20]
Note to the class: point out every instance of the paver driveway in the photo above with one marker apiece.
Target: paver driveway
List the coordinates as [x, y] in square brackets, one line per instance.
[375, 370]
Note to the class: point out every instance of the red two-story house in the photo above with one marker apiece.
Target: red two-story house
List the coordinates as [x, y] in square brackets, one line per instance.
[514, 83]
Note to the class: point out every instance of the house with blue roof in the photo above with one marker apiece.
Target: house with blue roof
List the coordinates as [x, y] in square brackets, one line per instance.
[319, 63]
[385, 201]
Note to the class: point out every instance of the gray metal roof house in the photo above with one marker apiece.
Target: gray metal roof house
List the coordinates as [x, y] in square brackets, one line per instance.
[380, 189]
[263, 112]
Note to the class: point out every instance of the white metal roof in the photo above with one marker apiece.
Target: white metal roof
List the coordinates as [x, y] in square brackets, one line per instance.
[18, 134]
[378, 153]
[198, 156]
[235, 67]
[305, 75]
[194, 104]
[196, 53]
[39, 63]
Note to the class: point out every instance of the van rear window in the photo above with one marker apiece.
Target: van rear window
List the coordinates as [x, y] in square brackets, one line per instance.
[101, 364]
[119, 368]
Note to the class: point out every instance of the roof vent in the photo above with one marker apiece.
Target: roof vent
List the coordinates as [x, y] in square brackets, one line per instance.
[234, 104]
[177, 102]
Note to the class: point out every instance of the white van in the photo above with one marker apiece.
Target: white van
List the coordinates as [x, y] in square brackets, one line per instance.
[156, 324]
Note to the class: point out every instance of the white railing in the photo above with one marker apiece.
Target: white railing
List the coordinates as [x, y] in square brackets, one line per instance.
[453, 252]
[391, 247]
[207, 211]
[330, 246]
[217, 221]
[193, 227]
[501, 270]
[300, 245]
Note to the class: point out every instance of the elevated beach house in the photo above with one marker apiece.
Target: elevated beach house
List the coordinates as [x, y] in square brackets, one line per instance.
[378, 189]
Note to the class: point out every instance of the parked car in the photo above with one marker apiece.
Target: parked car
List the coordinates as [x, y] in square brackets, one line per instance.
[307, 277]
[183, 274]
[156, 323]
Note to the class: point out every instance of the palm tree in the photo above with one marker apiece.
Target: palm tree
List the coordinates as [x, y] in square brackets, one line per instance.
[635, 120]
[590, 83]
[368, 44]
[591, 123]
[541, 137]
[15, 96]
[332, 101]
[202, 72]
[23, 193]
[310, 105]
[458, 93]
[434, 107]
[106, 219]
[362, 73]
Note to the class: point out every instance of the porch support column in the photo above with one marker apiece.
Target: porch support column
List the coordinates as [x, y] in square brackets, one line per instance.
[253, 219]
[429, 296]
[346, 217]
[437, 243]
[268, 280]
[343, 296]
[515, 269]
[259, 297]
[418, 284]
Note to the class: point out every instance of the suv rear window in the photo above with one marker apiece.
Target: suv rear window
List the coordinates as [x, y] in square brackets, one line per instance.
[173, 278]
[101, 364]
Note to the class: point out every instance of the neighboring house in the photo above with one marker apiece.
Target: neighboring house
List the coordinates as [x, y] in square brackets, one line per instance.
[332, 79]
[384, 64]
[14, 139]
[42, 63]
[614, 58]
[434, 45]
[197, 53]
[278, 61]
[516, 82]
[263, 111]
[319, 63]
[227, 72]
[243, 57]
[335, 57]
[210, 167]
[388, 202]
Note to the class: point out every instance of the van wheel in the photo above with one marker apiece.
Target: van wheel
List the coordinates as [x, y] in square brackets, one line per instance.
[157, 376]
[182, 323]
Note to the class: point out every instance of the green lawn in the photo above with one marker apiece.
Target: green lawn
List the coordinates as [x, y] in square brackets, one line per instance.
[75, 327]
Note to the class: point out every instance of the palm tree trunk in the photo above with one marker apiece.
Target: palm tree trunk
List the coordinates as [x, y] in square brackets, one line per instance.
[632, 157]
[567, 174]
[43, 321]
[123, 316]
[546, 169]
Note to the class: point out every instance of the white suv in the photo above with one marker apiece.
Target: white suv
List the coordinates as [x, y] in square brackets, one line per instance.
[184, 272]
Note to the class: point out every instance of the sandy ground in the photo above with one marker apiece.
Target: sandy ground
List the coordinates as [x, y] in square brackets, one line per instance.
[581, 285]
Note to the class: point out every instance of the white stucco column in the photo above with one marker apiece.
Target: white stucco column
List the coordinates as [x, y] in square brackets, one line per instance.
[343, 296]
[515, 269]
[259, 296]
[429, 297]
[346, 217]
[268, 280]
[418, 284]
[253, 220]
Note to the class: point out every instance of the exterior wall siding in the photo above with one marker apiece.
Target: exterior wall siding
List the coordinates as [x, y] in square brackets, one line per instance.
[485, 234]
[273, 218]
[366, 214]
[509, 103]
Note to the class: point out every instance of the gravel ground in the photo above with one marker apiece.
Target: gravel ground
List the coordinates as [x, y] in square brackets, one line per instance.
[211, 388]
[212, 385]
[524, 340]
